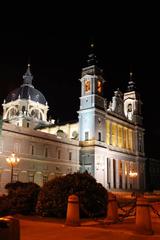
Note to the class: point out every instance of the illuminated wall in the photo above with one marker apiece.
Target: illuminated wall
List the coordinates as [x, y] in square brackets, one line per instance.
[130, 139]
[70, 129]
[119, 136]
[42, 156]
[114, 134]
[108, 131]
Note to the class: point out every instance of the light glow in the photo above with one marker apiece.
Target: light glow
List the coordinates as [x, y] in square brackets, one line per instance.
[87, 86]
[99, 86]
[13, 160]
[133, 174]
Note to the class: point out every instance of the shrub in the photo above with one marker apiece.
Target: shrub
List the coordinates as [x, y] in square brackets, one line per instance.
[53, 197]
[22, 197]
[4, 205]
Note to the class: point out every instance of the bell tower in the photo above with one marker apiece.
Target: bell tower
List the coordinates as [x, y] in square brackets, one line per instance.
[92, 116]
[91, 113]
[133, 103]
[92, 84]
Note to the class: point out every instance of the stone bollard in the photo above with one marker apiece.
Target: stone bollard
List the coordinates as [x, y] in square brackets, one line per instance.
[12, 231]
[143, 217]
[73, 211]
[112, 209]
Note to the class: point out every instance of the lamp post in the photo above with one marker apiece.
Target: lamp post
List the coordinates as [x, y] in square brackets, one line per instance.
[12, 161]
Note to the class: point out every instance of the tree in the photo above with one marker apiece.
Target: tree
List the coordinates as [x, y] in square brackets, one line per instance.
[53, 197]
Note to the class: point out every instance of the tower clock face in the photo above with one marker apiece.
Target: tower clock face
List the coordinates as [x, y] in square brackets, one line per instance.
[87, 86]
[99, 86]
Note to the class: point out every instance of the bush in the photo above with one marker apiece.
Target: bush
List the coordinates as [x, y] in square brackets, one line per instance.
[4, 205]
[53, 197]
[22, 197]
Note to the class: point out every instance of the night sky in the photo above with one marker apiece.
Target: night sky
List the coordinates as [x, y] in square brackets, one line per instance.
[57, 57]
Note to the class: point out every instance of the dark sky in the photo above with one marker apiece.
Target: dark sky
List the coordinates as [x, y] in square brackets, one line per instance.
[57, 55]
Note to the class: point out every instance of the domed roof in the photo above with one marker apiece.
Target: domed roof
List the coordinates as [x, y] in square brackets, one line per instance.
[26, 90]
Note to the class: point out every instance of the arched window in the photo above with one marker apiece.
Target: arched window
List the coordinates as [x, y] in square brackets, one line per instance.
[129, 111]
[12, 112]
[23, 108]
[40, 116]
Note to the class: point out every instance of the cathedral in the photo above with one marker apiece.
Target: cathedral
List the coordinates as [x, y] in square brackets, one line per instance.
[107, 140]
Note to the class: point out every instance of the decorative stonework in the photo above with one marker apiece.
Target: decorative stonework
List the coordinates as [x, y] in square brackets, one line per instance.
[26, 106]
[116, 105]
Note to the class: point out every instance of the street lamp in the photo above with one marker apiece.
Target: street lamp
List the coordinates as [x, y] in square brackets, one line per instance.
[12, 161]
[132, 175]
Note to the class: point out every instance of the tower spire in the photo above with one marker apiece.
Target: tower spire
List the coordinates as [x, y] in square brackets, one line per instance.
[92, 67]
[27, 77]
[92, 59]
[131, 84]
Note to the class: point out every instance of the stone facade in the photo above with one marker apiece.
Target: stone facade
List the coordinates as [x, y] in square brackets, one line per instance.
[107, 140]
[111, 134]
[42, 156]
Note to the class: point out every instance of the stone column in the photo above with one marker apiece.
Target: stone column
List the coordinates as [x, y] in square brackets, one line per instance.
[123, 175]
[105, 173]
[117, 173]
[123, 137]
[111, 172]
[128, 177]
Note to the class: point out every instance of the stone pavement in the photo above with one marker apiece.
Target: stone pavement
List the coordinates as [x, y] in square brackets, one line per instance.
[35, 228]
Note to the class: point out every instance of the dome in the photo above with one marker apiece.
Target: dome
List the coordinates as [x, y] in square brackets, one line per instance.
[26, 90]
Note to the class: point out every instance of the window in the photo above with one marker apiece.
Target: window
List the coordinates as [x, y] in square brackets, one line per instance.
[16, 147]
[129, 111]
[86, 136]
[45, 179]
[31, 178]
[70, 155]
[12, 112]
[75, 135]
[32, 150]
[140, 143]
[99, 136]
[99, 86]
[87, 85]
[40, 116]
[46, 152]
[59, 153]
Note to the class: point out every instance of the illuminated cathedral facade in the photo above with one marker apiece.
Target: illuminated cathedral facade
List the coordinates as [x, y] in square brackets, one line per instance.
[107, 140]
[111, 135]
